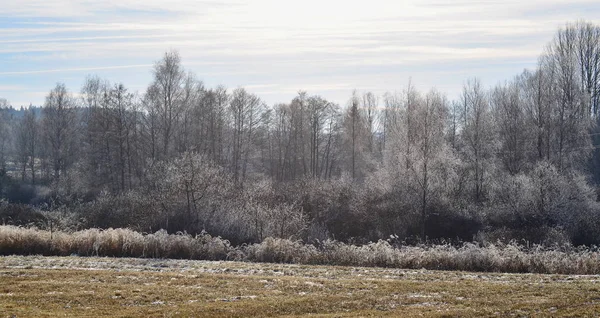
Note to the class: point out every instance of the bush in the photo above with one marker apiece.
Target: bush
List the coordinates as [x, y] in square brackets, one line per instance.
[20, 215]
[276, 250]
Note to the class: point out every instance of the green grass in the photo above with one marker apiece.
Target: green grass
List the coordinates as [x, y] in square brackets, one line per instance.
[36, 286]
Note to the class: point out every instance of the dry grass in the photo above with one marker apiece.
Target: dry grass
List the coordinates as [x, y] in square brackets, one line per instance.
[100, 287]
[509, 258]
[111, 242]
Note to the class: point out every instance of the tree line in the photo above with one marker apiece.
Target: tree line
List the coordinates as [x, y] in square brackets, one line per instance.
[520, 160]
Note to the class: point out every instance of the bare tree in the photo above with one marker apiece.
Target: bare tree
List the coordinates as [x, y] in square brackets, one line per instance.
[97, 121]
[5, 134]
[369, 105]
[391, 123]
[588, 58]
[509, 116]
[431, 151]
[478, 136]
[354, 130]
[27, 143]
[121, 103]
[60, 128]
[318, 109]
[571, 113]
[167, 98]
[247, 112]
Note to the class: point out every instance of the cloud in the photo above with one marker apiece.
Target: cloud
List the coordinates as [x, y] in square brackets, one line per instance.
[81, 69]
[326, 46]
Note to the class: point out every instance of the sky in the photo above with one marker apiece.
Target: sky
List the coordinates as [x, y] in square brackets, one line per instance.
[275, 48]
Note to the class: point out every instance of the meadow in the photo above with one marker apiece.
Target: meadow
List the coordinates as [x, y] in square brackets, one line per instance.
[128, 287]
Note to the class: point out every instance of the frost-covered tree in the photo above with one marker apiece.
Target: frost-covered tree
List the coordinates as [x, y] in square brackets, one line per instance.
[60, 126]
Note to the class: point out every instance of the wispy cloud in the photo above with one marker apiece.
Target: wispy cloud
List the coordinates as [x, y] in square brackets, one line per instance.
[5, 88]
[80, 69]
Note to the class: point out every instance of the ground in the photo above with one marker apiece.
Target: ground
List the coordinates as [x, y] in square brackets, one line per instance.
[38, 286]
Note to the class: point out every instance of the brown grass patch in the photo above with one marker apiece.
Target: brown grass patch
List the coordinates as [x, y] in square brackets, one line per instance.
[102, 287]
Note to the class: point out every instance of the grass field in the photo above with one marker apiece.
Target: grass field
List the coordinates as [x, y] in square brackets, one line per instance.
[36, 286]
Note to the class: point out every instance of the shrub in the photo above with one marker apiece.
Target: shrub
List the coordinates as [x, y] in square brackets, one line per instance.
[276, 250]
[20, 215]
